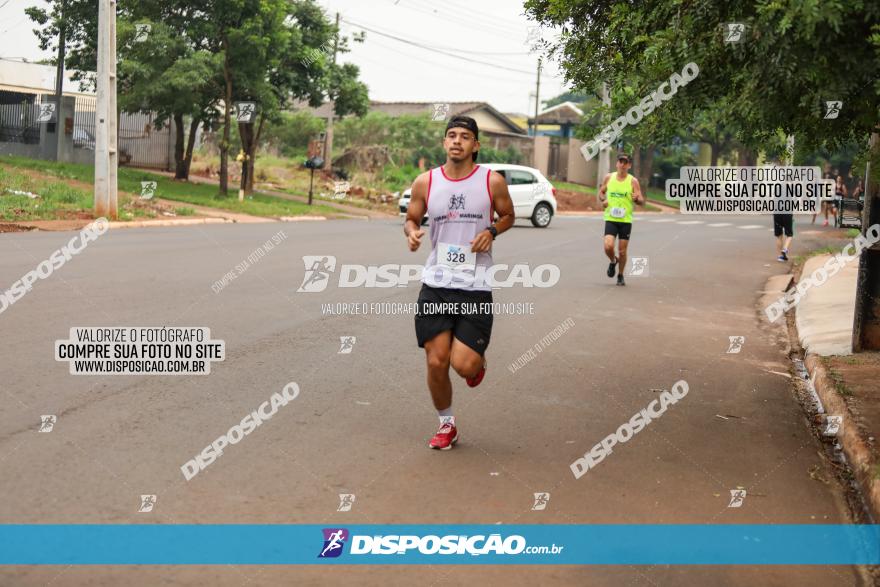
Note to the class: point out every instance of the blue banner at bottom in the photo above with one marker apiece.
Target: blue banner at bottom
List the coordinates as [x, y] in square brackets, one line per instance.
[264, 544]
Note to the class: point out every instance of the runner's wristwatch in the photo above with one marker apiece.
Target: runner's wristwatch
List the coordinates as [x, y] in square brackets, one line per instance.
[493, 231]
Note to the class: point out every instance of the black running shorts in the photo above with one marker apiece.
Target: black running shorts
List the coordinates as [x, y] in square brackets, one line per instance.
[619, 229]
[468, 314]
[783, 223]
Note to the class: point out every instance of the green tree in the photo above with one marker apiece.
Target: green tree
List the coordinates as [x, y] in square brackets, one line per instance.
[793, 57]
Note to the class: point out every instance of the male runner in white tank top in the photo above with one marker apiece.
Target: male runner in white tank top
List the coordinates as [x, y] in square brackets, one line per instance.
[454, 319]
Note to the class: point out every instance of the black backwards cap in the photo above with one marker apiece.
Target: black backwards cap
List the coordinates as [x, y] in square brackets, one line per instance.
[468, 123]
[464, 122]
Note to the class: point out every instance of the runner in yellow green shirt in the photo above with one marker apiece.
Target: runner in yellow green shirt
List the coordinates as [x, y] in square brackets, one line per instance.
[619, 193]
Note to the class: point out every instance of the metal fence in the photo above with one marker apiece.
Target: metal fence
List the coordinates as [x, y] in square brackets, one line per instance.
[140, 141]
[19, 118]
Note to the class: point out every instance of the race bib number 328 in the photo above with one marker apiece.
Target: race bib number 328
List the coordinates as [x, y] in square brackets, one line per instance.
[455, 255]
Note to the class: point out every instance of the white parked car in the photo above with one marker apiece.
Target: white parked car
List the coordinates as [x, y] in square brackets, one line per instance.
[534, 197]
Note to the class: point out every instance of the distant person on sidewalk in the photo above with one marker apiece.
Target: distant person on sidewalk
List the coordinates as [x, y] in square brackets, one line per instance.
[859, 190]
[783, 229]
[839, 194]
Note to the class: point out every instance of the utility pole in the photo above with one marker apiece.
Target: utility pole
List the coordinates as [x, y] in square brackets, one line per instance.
[604, 154]
[106, 155]
[59, 80]
[328, 137]
[866, 322]
[537, 98]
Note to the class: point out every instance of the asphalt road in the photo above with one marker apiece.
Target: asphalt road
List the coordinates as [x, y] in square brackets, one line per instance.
[362, 420]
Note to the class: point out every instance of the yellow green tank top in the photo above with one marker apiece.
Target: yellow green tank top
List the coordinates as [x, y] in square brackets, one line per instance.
[620, 199]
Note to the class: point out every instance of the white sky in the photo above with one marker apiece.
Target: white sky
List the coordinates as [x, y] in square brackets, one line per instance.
[396, 71]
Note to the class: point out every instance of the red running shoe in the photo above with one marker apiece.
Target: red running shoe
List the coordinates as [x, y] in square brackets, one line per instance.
[446, 436]
[478, 378]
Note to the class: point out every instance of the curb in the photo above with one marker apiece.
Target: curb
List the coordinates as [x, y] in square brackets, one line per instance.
[175, 222]
[854, 447]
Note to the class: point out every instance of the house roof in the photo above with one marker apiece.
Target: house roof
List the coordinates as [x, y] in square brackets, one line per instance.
[564, 113]
[35, 78]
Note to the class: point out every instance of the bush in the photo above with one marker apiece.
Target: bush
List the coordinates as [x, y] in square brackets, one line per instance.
[291, 136]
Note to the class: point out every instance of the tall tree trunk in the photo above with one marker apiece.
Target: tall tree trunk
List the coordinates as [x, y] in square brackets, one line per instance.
[715, 150]
[646, 170]
[224, 142]
[179, 166]
[252, 156]
[190, 145]
[246, 132]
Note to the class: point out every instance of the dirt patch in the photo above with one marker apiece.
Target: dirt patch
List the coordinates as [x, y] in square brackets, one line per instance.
[857, 379]
[7, 227]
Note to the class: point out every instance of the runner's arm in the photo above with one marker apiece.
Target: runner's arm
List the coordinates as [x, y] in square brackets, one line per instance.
[418, 205]
[503, 205]
[638, 196]
[603, 189]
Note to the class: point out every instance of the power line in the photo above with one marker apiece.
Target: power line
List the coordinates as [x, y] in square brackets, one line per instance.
[481, 27]
[442, 52]
[443, 65]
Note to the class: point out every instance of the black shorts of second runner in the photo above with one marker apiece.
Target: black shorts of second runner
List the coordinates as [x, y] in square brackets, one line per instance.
[472, 325]
[619, 229]
[783, 223]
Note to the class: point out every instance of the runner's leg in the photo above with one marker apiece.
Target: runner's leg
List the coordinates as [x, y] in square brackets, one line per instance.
[609, 247]
[466, 361]
[622, 245]
[437, 353]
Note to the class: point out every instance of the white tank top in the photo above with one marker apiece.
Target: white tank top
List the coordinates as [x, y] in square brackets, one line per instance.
[458, 210]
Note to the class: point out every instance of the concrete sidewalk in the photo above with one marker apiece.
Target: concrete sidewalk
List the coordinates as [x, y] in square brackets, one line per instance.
[824, 316]
[845, 384]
